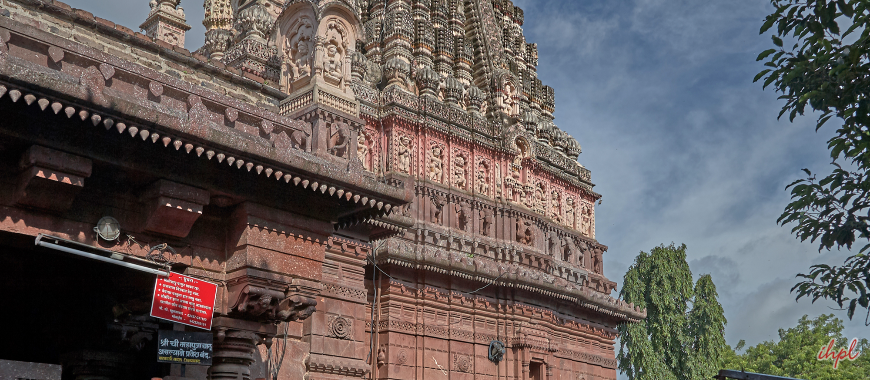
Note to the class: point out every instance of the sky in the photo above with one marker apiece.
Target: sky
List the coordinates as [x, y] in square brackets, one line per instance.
[682, 145]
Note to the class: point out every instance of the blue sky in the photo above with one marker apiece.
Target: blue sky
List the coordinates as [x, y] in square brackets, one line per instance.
[681, 143]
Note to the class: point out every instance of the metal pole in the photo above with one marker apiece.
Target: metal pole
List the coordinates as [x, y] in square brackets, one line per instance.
[101, 258]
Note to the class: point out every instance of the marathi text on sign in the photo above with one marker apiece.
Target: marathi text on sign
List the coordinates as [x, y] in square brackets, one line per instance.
[181, 347]
[185, 300]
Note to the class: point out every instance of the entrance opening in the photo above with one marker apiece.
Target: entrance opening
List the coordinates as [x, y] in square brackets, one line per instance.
[536, 371]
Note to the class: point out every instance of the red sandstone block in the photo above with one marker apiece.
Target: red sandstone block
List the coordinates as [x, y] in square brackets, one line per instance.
[181, 50]
[105, 22]
[62, 5]
[85, 15]
[234, 70]
[200, 57]
[218, 64]
[163, 44]
[175, 66]
[254, 78]
[124, 29]
[142, 37]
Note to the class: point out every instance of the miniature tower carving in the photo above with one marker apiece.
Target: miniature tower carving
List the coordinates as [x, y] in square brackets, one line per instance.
[166, 22]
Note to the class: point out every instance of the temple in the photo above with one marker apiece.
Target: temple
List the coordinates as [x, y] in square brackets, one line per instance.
[377, 188]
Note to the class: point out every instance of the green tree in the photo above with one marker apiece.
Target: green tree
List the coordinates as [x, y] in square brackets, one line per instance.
[675, 341]
[828, 69]
[795, 354]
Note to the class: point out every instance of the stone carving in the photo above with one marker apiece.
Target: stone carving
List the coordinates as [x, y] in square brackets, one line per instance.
[260, 303]
[507, 101]
[496, 351]
[556, 206]
[362, 150]
[462, 363]
[402, 357]
[586, 221]
[463, 215]
[340, 327]
[525, 235]
[382, 355]
[335, 42]
[434, 166]
[339, 139]
[569, 212]
[498, 184]
[438, 202]
[482, 179]
[403, 153]
[297, 51]
[596, 260]
[459, 172]
[486, 222]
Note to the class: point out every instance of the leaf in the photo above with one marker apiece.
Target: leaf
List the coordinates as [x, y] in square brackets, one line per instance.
[759, 75]
[777, 41]
[765, 53]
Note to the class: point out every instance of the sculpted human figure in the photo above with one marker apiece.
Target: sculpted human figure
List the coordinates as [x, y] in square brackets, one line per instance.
[404, 154]
[498, 183]
[362, 150]
[569, 213]
[332, 63]
[435, 163]
[482, 184]
[459, 172]
[437, 207]
[486, 221]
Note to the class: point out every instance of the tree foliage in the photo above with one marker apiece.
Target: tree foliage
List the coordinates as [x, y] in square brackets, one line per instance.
[675, 341]
[828, 69]
[795, 354]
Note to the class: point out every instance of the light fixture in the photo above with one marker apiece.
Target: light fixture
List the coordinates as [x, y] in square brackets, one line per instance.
[108, 228]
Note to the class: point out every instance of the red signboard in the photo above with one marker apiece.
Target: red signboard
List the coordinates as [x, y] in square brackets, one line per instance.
[184, 299]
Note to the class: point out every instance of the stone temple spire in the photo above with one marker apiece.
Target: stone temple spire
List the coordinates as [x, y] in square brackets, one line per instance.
[166, 22]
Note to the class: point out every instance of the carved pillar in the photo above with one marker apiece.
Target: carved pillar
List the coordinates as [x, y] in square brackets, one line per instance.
[235, 346]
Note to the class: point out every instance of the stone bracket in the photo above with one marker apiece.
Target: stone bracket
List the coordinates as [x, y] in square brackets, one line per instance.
[256, 299]
[50, 179]
[173, 208]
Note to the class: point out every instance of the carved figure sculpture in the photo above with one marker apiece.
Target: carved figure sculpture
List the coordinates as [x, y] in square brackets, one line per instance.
[404, 154]
[463, 216]
[362, 150]
[596, 260]
[556, 206]
[459, 172]
[297, 52]
[438, 202]
[486, 221]
[586, 221]
[525, 235]
[569, 212]
[332, 64]
[339, 139]
[507, 98]
[498, 183]
[482, 184]
[434, 169]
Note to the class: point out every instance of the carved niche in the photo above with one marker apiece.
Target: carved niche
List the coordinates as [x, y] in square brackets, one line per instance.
[362, 150]
[403, 154]
[569, 212]
[463, 216]
[486, 222]
[297, 46]
[525, 234]
[459, 172]
[438, 203]
[434, 166]
[339, 139]
[482, 178]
